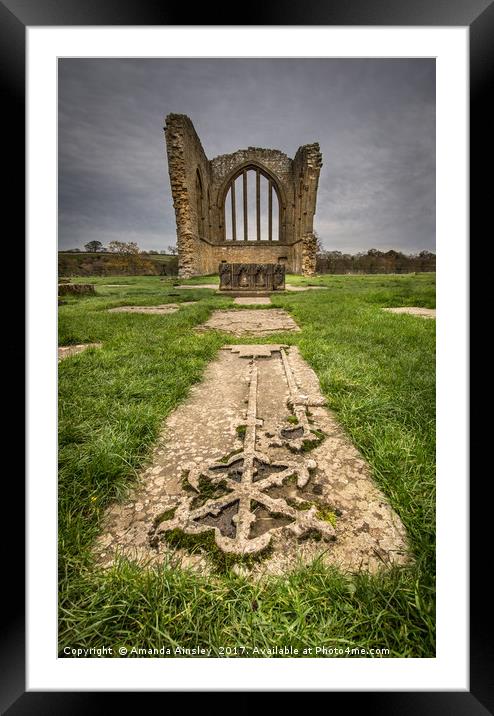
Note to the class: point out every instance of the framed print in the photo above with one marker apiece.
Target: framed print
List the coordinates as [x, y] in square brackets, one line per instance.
[154, 395]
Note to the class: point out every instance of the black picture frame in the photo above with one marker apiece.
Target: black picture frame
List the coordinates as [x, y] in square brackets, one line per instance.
[15, 17]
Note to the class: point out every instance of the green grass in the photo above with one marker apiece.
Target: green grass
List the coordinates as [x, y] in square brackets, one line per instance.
[377, 372]
[197, 280]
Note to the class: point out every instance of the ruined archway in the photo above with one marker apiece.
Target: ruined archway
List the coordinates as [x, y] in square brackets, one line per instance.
[252, 206]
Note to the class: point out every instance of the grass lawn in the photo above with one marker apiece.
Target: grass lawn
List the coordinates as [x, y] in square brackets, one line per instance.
[377, 371]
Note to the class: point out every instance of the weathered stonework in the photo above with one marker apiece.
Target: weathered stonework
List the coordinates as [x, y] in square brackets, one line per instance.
[413, 311]
[77, 289]
[309, 250]
[250, 322]
[254, 466]
[200, 188]
[252, 277]
[252, 301]
[164, 309]
[69, 351]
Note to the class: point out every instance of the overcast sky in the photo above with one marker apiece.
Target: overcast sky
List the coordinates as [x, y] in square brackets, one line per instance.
[374, 120]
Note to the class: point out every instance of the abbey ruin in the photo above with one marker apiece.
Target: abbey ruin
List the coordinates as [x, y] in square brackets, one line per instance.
[255, 205]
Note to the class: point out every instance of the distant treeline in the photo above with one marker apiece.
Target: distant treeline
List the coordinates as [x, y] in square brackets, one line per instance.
[102, 263]
[375, 261]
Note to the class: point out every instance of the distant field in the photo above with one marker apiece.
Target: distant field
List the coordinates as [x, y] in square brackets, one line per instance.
[162, 258]
[110, 264]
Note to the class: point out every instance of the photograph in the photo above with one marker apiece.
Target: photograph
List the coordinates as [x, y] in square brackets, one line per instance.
[246, 357]
[245, 353]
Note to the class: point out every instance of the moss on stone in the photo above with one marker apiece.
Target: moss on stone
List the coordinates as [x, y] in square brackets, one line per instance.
[323, 512]
[327, 515]
[209, 490]
[205, 542]
[310, 444]
[164, 517]
[185, 482]
[311, 534]
[228, 457]
[299, 505]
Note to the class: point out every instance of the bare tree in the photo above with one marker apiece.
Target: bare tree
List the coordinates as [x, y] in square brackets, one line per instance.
[121, 247]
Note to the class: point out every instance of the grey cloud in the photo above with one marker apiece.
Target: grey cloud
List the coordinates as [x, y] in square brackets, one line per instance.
[374, 120]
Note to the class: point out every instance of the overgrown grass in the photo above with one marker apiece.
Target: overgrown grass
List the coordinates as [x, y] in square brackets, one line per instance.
[377, 371]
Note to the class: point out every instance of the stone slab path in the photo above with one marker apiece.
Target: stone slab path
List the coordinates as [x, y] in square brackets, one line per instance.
[413, 311]
[252, 301]
[254, 460]
[68, 351]
[255, 322]
[200, 285]
[158, 310]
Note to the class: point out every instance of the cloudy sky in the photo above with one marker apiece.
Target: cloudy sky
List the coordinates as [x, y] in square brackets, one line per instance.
[374, 120]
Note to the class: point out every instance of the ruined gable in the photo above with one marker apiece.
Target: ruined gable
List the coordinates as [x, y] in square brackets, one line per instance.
[254, 205]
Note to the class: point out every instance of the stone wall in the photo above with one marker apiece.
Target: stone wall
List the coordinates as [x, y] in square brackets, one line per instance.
[186, 159]
[211, 255]
[199, 187]
[306, 169]
[309, 251]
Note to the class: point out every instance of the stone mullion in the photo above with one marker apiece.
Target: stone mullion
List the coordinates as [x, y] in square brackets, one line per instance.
[280, 221]
[270, 211]
[244, 175]
[234, 214]
[258, 204]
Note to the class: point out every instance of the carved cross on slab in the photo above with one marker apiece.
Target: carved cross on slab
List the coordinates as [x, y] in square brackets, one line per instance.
[245, 478]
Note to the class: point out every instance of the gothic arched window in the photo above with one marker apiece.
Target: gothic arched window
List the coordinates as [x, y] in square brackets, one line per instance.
[252, 207]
